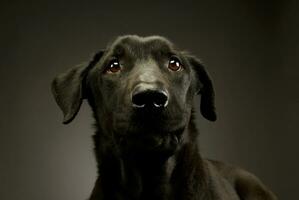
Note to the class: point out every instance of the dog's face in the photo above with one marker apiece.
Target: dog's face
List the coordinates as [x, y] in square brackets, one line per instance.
[141, 91]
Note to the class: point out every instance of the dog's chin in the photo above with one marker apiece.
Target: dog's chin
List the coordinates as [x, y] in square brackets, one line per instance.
[155, 135]
[155, 144]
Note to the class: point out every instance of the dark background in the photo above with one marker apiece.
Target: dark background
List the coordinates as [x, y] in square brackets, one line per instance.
[251, 50]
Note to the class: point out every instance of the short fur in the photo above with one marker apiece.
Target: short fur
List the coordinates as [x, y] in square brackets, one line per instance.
[151, 154]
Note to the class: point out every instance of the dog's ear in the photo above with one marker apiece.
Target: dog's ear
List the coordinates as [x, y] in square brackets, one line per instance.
[205, 88]
[69, 88]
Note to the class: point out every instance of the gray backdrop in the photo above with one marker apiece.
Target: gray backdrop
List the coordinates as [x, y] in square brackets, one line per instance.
[251, 50]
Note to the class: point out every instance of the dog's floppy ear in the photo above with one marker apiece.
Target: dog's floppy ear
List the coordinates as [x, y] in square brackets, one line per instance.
[69, 88]
[207, 105]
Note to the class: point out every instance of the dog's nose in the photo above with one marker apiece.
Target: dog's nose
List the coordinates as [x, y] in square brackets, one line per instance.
[149, 97]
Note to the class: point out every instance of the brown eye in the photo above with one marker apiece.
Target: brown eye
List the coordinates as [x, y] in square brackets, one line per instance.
[113, 66]
[174, 64]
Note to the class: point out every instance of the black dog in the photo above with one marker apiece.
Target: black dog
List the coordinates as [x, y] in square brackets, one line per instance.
[141, 90]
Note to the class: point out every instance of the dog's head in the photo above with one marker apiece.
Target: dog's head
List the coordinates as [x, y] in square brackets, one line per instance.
[141, 90]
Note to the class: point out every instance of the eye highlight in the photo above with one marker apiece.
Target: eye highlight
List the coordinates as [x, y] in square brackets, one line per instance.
[113, 66]
[175, 64]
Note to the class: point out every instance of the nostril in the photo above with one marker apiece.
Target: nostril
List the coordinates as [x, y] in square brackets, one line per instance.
[160, 99]
[151, 98]
[139, 99]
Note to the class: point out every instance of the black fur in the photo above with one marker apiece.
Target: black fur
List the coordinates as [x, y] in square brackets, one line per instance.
[151, 152]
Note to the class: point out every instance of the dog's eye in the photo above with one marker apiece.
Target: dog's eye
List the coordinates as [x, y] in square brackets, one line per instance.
[174, 64]
[113, 66]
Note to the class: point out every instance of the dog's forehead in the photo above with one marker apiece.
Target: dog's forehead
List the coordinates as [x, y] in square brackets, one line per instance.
[141, 46]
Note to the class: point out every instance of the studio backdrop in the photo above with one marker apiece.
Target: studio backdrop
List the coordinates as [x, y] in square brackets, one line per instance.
[250, 49]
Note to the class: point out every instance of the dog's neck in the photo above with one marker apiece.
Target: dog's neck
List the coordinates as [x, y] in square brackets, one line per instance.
[147, 177]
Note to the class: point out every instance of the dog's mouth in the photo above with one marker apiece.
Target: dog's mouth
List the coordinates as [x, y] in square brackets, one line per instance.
[141, 133]
[160, 143]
